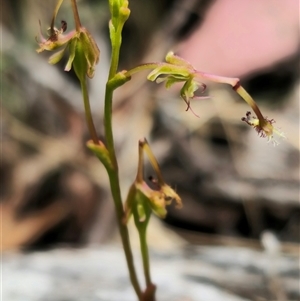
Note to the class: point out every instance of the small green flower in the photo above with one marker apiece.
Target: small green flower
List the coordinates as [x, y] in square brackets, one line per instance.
[143, 196]
[84, 54]
[160, 198]
[177, 70]
[188, 90]
[142, 199]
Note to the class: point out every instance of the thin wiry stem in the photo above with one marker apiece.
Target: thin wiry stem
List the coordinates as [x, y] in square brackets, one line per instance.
[142, 67]
[114, 173]
[116, 193]
[249, 100]
[55, 14]
[145, 256]
[76, 15]
[88, 113]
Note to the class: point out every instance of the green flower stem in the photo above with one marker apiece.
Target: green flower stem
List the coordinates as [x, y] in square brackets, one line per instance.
[76, 15]
[145, 255]
[142, 68]
[115, 189]
[250, 101]
[142, 228]
[108, 125]
[114, 173]
[88, 113]
[149, 293]
[116, 193]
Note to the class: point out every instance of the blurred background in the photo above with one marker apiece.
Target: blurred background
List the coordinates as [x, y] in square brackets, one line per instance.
[239, 192]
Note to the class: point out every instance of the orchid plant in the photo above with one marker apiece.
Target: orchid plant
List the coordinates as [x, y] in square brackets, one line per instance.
[142, 200]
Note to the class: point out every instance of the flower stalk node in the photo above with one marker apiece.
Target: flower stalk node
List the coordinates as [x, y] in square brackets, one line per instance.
[118, 80]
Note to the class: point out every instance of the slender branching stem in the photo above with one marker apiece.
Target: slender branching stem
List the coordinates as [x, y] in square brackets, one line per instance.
[114, 174]
[88, 113]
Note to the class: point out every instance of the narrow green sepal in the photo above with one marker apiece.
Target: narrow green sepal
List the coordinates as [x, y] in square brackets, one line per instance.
[129, 203]
[56, 57]
[166, 69]
[72, 52]
[80, 64]
[170, 81]
[137, 204]
[141, 211]
[173, 59]
[189, 88]
[91, 52]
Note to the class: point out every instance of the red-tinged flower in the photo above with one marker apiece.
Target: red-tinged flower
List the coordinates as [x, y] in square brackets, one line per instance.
[264, 127]
[83, 51]
[56, 38]
[178, 70]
